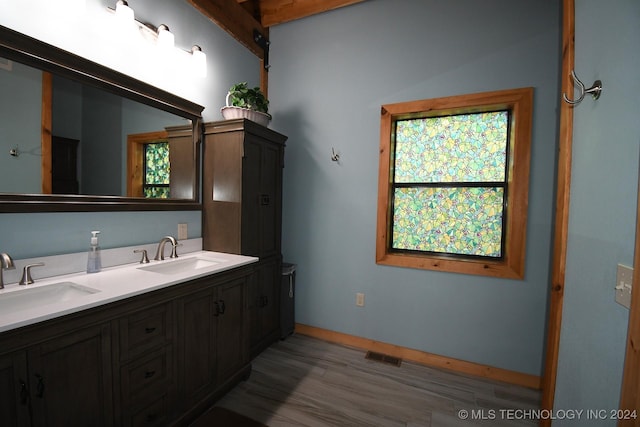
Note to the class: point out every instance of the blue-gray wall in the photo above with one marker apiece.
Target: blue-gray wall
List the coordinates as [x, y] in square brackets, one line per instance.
[330, 74]
[20, 99]
[228, 62]
[602, 218]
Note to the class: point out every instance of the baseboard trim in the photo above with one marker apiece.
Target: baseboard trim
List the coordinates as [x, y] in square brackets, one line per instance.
[424, 358]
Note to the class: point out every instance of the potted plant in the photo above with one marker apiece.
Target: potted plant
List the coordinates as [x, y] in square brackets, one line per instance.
[244, 102]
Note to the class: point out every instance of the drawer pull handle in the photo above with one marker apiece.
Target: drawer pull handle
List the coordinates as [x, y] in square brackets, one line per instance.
[24, 393]
[263, 301]
[222, 307]
[149, 330]
[40, 386]
[149, 374]
[217, 311]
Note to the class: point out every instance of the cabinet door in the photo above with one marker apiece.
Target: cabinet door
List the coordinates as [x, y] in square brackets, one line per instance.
[232, 328]
[261, 197]
[264, 305]
[270, 200]
[14, 393]
[70, 379]
[196, 355]
[251, 192]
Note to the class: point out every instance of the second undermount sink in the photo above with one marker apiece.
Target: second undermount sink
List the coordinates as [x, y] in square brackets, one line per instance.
[181, 265]
[42, 295]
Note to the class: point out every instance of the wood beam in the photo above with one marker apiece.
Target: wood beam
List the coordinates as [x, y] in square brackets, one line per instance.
[234, 19]
[279, 11]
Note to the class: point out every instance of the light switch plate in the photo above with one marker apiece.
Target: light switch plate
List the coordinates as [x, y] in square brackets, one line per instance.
[624, 285]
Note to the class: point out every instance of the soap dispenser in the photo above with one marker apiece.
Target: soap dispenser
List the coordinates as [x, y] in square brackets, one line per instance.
[94, 263]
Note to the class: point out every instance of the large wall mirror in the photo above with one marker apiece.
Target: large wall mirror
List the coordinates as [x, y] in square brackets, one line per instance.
[77, 136]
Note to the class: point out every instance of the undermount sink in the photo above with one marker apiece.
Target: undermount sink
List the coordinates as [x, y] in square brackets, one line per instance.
[181, 265]
[42, 295]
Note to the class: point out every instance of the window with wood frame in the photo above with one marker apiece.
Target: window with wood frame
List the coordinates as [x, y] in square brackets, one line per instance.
[453, 183]
[148, 166]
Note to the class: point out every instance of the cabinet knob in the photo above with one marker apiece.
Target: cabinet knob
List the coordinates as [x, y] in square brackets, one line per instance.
[149, 374]
[149, 330]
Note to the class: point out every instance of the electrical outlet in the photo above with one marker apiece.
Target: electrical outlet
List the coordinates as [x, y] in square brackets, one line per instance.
[624, 283]
[182, 232]
[360, 299]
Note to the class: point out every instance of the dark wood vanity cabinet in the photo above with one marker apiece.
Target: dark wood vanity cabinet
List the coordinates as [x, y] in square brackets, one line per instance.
[145, 374]
[61, 381]
[157, 359]
[242, 211]
[14, 401]
[213, 344]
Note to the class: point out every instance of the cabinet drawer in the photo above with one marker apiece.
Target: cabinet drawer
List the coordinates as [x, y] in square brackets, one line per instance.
[144, 330]
[155, 413]
[146, 377]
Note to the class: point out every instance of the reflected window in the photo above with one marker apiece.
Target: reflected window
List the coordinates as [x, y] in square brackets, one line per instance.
[156, 170]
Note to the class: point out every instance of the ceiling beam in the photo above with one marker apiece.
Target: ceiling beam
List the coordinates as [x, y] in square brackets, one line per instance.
[234, 19]
[279, 11]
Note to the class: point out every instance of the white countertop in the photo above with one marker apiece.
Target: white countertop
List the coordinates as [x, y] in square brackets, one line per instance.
[113, 284]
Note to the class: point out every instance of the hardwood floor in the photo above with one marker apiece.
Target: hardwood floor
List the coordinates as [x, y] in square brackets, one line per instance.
[303, 381]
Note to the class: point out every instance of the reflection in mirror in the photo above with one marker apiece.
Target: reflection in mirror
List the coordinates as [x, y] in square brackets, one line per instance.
[89, 132]
[75, 135]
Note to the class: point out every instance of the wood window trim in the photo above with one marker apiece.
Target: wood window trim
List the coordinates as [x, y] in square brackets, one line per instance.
[45, 131]
[135, 157]
[512, 265]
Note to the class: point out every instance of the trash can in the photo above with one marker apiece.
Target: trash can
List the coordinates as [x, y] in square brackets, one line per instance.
[287, 299]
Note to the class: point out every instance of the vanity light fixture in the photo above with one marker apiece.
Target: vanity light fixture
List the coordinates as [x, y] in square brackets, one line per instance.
[166, 39]
[160, 36]
[199, 59]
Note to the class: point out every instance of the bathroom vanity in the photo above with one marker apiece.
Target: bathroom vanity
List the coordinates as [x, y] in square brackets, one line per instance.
[149, 347]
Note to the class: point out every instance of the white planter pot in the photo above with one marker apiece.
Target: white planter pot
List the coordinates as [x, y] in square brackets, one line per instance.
[259, 117]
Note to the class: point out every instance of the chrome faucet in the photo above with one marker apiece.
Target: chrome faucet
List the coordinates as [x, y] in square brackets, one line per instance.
[160, 252]
[6, 263]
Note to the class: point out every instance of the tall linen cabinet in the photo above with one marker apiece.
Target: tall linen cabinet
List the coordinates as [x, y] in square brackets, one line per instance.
[242, 212]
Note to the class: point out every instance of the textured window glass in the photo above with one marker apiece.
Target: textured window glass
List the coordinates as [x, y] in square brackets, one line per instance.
[449, 184]
[157, 170]
[156, 192]
[466, 221]
[157, 163]
[460, 148]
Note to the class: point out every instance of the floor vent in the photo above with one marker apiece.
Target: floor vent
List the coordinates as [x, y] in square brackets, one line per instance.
[384, 358]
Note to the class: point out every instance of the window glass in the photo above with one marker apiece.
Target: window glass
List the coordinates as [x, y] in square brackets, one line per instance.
[449, 180]
[156, 170]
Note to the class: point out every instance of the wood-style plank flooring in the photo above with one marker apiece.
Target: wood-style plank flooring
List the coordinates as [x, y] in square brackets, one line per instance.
[303, 381]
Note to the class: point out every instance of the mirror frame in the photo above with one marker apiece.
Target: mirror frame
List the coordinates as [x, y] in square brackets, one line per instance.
[18, 47]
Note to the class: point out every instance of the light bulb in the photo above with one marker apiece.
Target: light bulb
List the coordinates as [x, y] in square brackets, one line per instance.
[124, 12]
[166, 39]
[199, 59]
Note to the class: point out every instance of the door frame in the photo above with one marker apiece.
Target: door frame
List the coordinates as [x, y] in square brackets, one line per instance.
[630, 390]
[563, 184]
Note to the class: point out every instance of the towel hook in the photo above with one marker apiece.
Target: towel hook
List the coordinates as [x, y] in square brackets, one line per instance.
[335, 156]
[594, 90]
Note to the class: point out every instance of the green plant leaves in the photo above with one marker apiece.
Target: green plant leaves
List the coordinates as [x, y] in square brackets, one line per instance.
[242, 96]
